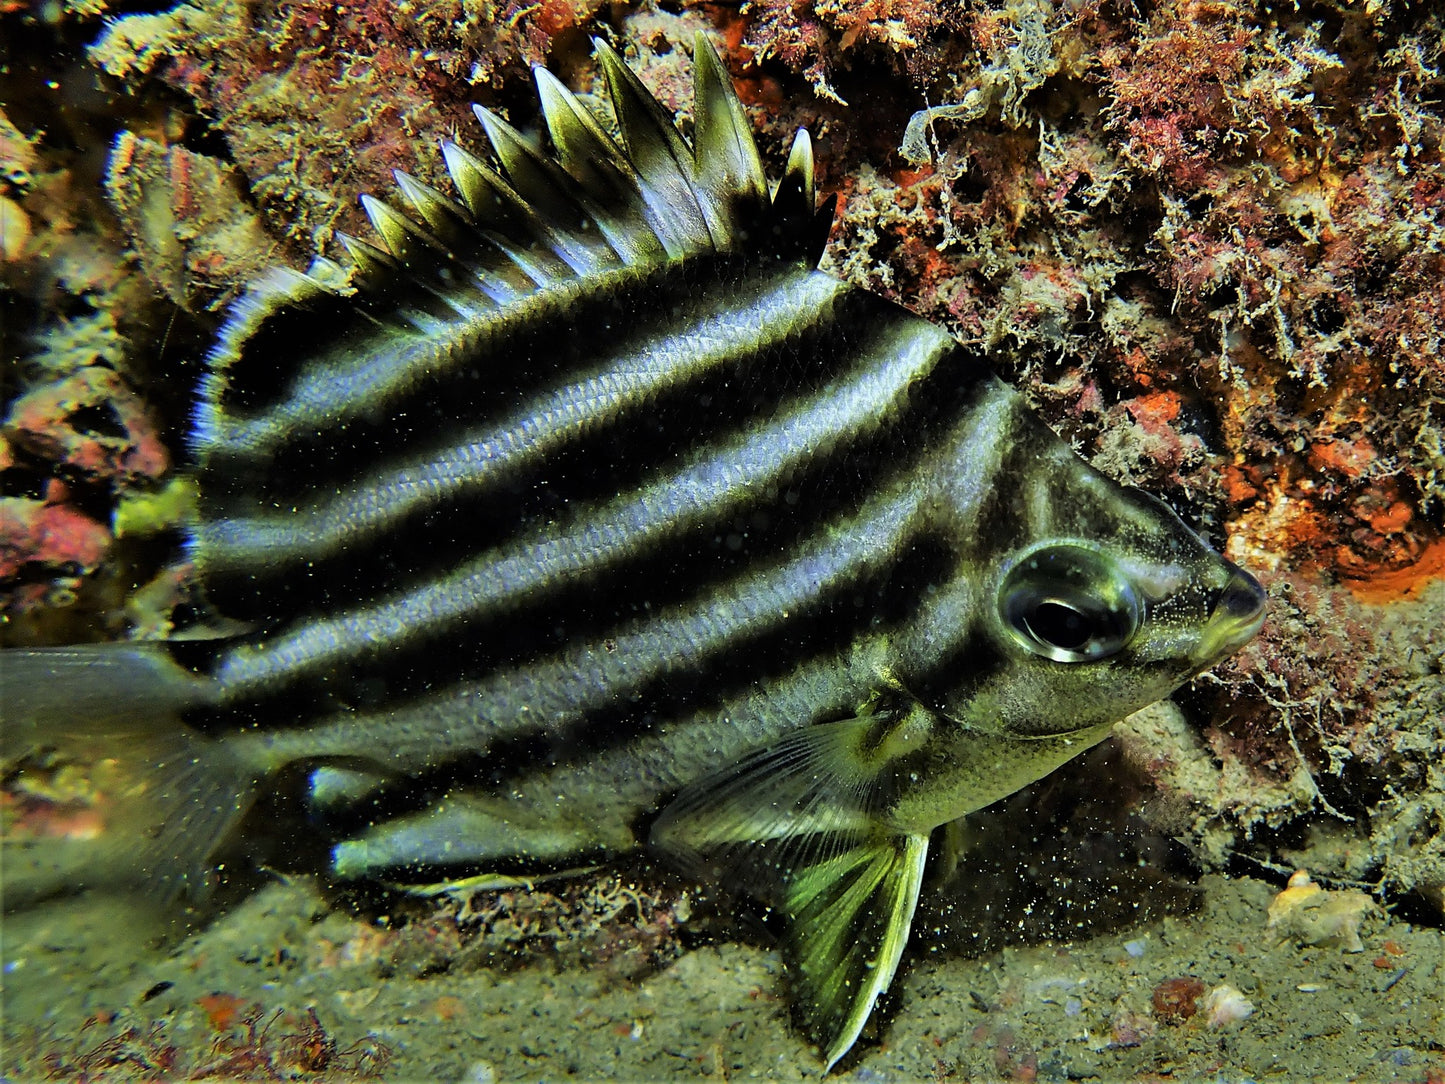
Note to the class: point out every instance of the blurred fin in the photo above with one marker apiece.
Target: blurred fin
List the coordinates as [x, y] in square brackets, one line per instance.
[175, 794]
[49, 694]
[469, 829]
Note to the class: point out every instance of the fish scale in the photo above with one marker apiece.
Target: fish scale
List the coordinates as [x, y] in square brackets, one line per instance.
[525, 437]
[584, 515]
[694, 503]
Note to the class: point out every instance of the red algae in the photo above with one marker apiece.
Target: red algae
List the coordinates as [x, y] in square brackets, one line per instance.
[90, 425]
[1177, 1000]
[49, 543]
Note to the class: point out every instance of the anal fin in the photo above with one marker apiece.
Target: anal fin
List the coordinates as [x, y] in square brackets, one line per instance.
[467, 829]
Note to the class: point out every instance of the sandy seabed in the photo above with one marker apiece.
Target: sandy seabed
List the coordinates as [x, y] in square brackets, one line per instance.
[1044, 1011]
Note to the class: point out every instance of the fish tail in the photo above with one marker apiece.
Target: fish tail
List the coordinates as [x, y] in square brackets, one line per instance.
[167, 794]
[51, 693]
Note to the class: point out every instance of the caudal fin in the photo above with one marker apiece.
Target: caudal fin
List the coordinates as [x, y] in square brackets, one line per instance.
[94, 689]
[167, 795]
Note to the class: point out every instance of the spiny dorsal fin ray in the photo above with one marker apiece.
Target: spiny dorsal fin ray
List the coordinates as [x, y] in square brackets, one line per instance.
[584, 150]
[533, 224]
[393, 288]
[732, 190]
[575, 237]
[803, 825]
[558, 215]
[800, 226]
[447, 219]
[660, 156]
[595, 161]
[532, 176]
[506, 222]
[404, 238]
[372, 268]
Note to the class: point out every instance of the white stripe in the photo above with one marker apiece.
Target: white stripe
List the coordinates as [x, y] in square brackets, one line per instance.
[746, 325]
[704, 490]
[365, 380]
[557, 691]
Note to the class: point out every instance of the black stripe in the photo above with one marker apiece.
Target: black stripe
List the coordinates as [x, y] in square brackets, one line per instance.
[367, 398]
[605, 458]
[819, 636]
[873, 604]
[767, 524]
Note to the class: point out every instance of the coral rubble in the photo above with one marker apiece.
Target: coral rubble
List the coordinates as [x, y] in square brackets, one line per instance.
[1310, 915]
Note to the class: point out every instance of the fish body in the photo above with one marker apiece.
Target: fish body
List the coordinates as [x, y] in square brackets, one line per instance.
[587, 515]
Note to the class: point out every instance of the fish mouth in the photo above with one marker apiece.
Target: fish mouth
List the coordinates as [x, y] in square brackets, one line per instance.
[1236, 618]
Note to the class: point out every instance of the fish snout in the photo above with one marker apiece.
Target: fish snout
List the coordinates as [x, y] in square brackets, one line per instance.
[1237, 615]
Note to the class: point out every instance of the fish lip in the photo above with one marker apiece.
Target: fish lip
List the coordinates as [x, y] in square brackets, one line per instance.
[1237, 617]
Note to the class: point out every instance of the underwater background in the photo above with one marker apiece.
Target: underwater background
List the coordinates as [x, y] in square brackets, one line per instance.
[1204, 238]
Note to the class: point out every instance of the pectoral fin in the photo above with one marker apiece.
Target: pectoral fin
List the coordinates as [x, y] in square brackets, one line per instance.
[802, 825]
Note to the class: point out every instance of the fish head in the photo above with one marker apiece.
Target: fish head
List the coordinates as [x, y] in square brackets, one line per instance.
[1102, 602]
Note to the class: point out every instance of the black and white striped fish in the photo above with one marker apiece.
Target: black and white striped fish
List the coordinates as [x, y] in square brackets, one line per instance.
[588, 516]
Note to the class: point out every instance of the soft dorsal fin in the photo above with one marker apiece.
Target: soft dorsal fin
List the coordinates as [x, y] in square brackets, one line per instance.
[524, 222]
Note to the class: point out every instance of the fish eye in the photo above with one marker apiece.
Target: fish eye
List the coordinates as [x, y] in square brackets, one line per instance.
[1069, 603]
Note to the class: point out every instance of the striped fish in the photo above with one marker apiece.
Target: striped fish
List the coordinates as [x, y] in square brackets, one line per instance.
[584, 514]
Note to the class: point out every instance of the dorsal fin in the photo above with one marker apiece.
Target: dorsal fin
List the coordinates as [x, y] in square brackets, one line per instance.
[526, 223]
[588, 204]
[727, 171]
[659, 156]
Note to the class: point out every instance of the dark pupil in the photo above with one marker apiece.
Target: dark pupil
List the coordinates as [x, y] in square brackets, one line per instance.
[1060, 625]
